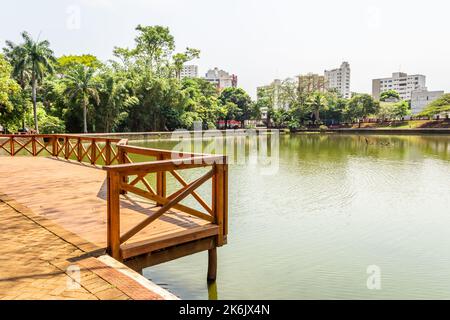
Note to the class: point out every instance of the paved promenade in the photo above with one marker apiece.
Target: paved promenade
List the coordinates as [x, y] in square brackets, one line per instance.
[35, 263]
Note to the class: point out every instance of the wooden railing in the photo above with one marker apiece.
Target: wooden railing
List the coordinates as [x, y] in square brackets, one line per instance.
[124, 178]
[92, 150]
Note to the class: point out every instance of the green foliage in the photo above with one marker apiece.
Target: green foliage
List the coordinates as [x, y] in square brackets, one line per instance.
[359, 106]
[82, 87]
[47, 123]
[238, 104]
[31, 61]
[389, 95]
[438, 106]
[65, 63]
[8, 86]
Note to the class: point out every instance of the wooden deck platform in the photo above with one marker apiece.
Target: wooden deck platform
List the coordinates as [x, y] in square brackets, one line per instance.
[102, 209]
[74, 197]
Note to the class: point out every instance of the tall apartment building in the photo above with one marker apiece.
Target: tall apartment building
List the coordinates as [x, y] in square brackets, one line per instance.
[339, 80]
[221, 79]
[189, 71]
[271, 91]
[311, 82]
[401, 82]
[422, 97]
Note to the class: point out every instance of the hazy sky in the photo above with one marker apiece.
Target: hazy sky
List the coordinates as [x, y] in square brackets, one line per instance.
[258, 40]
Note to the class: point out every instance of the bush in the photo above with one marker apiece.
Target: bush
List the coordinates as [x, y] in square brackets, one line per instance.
[323, 128]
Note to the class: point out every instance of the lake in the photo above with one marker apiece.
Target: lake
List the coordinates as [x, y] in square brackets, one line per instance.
[337, 207]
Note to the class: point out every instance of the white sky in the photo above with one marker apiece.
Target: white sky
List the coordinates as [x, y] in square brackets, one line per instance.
[258, 40]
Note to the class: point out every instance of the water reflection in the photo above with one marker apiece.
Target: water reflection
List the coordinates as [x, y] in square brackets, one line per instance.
[337, 204]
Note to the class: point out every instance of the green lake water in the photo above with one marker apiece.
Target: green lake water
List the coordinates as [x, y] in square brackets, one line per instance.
[336, 205]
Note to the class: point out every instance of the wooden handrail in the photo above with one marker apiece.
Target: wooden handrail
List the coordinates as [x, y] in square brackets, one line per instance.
[167, 162]
[81, 148]
[116, 157]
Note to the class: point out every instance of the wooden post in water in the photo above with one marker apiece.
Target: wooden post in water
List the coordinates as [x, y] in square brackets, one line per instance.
[113, 209]
[212, 264]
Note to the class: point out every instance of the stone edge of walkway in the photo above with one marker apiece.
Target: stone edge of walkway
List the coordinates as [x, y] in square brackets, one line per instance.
[136, 286]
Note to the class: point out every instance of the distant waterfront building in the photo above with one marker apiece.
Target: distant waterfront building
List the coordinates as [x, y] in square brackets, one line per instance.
[422, 97]
[271, 91]
[339, 80]
[221, 79]
[189, 71]
[401, 82]
[311, 82]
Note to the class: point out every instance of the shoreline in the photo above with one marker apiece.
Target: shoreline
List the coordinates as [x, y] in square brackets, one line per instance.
[382, 131]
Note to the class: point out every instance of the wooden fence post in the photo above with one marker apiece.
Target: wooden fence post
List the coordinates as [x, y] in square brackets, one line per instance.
[79, 150]
[108, 153]
[66, 148]
[93, 151]
[113, 208]
[54, 146]
[121, 159]
[161, 182]
[33, 145]
[11, 144]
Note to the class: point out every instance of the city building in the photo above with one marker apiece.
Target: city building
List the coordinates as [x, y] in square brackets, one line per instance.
[422, 97]
[271, 91]
[401, 82]
[221, 79]
[189, 71]
[339, 80]
[311, 82]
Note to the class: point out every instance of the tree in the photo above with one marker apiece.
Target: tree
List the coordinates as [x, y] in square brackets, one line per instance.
[33, 58]
[154, 44]
[241, 99]
[11, 102]
[80, 85]
[317, 103]
[390, 94]
[180, 59]
[436, 107]
[65, 63]
[8, 86]
[401, 109]
[360, 106]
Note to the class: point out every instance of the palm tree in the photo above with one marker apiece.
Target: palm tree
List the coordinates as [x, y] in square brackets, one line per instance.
[30, 60]
[317, 102]
[80, 85]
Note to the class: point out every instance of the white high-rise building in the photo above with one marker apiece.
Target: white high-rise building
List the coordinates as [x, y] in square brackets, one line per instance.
[401, 82]
[221, 79]
[339, 79]
[189, 71]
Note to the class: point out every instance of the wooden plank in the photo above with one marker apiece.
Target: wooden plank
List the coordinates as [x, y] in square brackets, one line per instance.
[143, 247]
[164, 165]
[170, 254]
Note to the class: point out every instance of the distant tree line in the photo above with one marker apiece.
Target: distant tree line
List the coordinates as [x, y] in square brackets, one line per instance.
[139, 90]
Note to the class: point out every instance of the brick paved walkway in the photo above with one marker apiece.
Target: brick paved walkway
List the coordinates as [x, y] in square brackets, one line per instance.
[37, 264]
